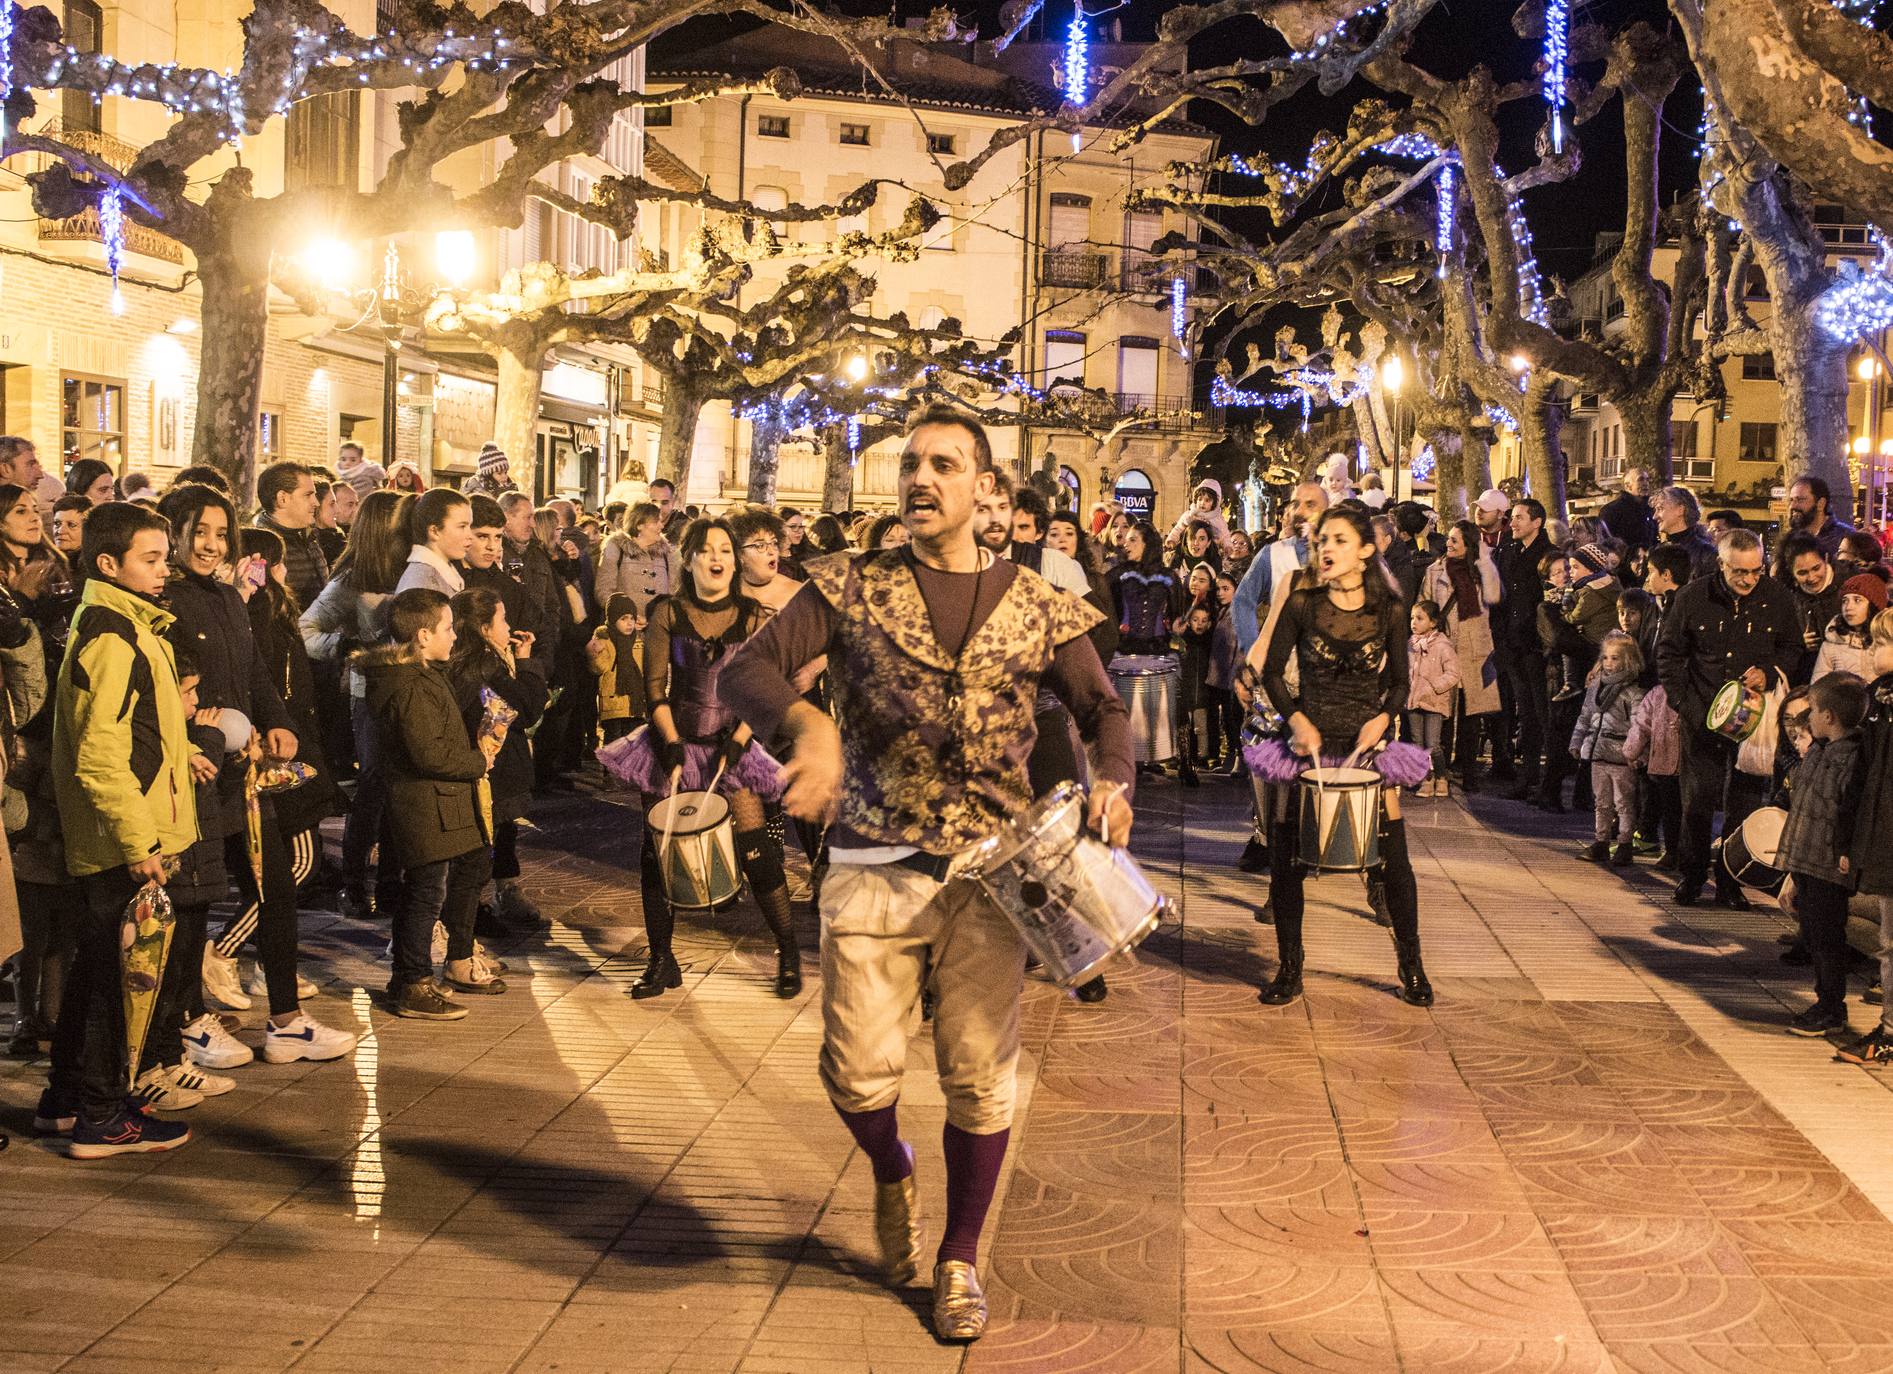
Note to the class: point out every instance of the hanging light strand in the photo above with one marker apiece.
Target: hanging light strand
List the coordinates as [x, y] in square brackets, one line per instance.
[1077, 68]
[112, 234]
[1448, 209]
[1557, 49]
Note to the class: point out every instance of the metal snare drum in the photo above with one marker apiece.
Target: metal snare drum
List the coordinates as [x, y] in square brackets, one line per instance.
[1748, 852]
[1074, 899]
[1148, 686]
[1339, 824]
[696, 854]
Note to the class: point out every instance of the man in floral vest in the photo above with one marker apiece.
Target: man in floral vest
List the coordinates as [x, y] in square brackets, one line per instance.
[937, 651]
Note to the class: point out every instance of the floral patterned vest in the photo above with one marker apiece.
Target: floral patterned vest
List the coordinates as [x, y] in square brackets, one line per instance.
[935, 751]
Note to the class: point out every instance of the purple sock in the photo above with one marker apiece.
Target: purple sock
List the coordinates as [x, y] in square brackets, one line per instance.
[972, 1172]
[878, 1134]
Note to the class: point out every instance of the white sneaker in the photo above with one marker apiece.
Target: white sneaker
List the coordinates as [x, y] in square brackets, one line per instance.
[199, 1082]
[220, 981]
[209, 1046]
[155, 1088]
[256, 983]
[303, 1038]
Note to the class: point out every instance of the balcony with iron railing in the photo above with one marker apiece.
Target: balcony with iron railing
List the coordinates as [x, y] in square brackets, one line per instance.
[1077, 269]
[84, 226]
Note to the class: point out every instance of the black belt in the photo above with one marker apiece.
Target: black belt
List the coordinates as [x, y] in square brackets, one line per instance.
[935, 866]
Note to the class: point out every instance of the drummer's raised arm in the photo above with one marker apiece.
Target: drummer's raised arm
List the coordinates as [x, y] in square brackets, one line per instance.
[757, 682]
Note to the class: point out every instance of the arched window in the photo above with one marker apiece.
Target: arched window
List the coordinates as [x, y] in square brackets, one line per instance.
[1136, 494]
[1069, 490]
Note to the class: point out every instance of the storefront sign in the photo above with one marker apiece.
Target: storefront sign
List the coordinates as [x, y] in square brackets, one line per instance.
[1136, 495]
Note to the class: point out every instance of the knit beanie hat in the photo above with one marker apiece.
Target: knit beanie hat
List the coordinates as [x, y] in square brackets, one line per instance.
[492, 461]
[1868, 586]
[1592, 559]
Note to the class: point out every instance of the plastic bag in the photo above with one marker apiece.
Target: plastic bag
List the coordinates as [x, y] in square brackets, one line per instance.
[1756, 756]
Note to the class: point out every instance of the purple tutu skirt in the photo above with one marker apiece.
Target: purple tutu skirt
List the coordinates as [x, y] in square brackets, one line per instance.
[633, 760]
[1404, 765]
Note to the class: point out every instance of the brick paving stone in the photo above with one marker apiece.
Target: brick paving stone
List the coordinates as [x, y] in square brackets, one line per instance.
[1598, 1154]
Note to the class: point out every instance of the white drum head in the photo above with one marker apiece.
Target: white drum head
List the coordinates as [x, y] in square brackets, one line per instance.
[1340, 777]
[688, 813]
[1761, 833]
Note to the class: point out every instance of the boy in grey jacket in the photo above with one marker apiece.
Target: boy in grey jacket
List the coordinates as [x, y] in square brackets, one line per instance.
[1824, 793]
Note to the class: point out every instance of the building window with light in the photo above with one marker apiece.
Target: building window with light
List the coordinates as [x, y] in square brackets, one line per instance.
[269, 436]
[322, 140]
[946, 145]
[1758, 443]
[92, 419]
[855, 135]
[1064, 356]
[772, 126]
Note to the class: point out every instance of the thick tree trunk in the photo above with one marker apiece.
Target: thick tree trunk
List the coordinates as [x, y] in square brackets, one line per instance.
[765, 455]
[838, 469]
[235, 311]
[1449, 471]
[1812, 371]
[516, 407]
[1475, 469]
[1369, 419]
[1646, 424]
[677, 434]
[1539, 422]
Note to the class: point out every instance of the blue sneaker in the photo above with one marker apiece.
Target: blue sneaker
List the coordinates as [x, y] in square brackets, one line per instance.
[129, 1131]
[54, 1115]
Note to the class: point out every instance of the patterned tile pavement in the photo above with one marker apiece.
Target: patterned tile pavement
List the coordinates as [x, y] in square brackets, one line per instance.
[1598, 1152]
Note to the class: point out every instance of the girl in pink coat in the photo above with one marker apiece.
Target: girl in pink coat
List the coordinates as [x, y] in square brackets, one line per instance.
[1433, 672]
[1655, 746]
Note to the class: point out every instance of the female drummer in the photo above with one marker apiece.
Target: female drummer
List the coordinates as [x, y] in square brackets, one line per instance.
[1345, 625]
[686, 642]
[1149, 601]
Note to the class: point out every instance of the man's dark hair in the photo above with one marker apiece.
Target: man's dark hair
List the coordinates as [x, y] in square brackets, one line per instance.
[1843, 695]
[185, 662]
[276, 481]
[1032, 501]
[663, 482]
[513, 500]
[1669, 559]
[414, 610]
[614, 513]
[1732, 518]
[110, 528]
[204, 475]
[1532, 504]
[1817, 488]
[1797, 544]
[1409, 517]
[322, 474]
[1002, 486]
[940, 413]
[487, 514]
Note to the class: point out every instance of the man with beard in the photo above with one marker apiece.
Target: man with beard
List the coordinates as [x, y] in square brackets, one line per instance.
[1810, 512]
[939, 649]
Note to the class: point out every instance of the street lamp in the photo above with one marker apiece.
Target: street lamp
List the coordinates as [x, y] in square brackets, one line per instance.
[1393, 375]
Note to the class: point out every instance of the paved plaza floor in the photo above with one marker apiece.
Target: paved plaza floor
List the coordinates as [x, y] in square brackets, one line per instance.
[1597, 1152]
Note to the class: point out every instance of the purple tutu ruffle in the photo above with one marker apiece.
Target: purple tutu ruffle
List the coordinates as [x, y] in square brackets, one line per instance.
[1404, 765]
[633, 760]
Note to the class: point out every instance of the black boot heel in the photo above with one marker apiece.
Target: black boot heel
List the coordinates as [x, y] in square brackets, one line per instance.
[1415, 990]
[1287, 985]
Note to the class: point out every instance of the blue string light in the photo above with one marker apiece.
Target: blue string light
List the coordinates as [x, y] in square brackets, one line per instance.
[1077, 68]
[1858, 306]
[1179, 319]
[112, 234]
[1502, 418]
[6, 62]
[1557, 42]
[1448, 207]
[1425, 463]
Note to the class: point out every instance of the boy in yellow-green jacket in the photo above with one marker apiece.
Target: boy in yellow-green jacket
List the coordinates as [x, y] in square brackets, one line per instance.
[122, 779]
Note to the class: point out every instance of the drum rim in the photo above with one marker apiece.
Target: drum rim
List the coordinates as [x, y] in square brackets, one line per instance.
[1145, 928]
[1368, 778]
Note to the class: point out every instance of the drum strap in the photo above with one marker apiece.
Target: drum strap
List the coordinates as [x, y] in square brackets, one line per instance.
[935, 866]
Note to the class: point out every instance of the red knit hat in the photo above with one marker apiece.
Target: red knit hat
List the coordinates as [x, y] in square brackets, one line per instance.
[1868, 586]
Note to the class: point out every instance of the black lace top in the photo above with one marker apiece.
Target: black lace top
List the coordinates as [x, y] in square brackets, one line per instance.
[1353, 664]
[685, 647]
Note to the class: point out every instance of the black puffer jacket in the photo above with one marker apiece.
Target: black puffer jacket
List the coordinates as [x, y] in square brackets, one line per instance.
[1516, 625]
[305, 567]
[524, 691]
[1871, 855]
[1695, 542]
[213, 625]
[287, 662]
[432, 767]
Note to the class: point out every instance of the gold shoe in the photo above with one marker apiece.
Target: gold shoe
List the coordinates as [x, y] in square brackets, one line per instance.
[959, 1303]
[897, 1230]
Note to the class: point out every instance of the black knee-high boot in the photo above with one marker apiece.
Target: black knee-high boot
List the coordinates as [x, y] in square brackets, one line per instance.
[1285, 895]
[660, 969]
[761, 858]
[1403, 909]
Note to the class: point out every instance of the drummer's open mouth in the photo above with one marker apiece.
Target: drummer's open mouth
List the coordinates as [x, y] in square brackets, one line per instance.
[918, 504]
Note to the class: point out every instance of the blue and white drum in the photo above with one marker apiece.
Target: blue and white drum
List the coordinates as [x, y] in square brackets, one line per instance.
[1148, 685]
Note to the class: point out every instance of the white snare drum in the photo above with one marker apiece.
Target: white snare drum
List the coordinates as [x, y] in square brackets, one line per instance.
[1749, 851]
[1074, 899]
[696, 850]
[1340, 820]
[1148, 686]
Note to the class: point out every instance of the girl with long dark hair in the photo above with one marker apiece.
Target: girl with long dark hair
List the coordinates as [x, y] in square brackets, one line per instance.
[1346, 627]
[691, 735]
[1149, 602]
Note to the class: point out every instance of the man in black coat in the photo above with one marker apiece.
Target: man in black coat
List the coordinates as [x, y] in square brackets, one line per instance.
[1679, 522]
[1737, 625]
[1627, 515]
[1515, 636]
[287, 504]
